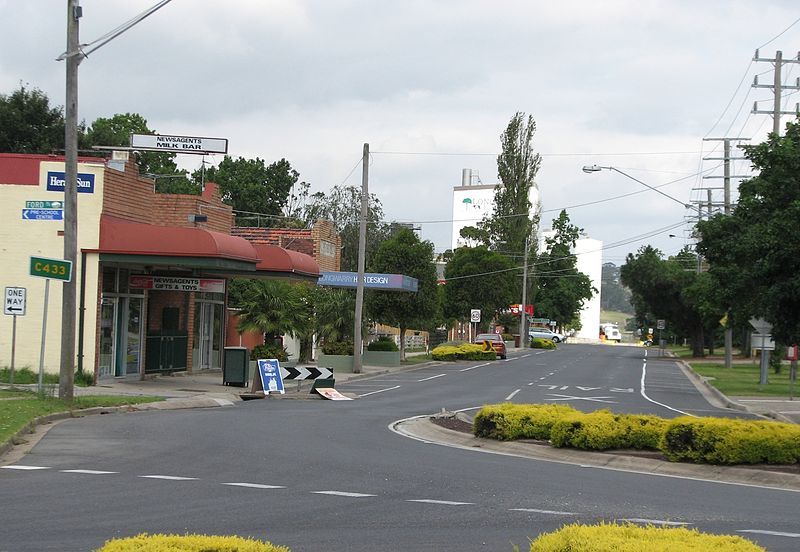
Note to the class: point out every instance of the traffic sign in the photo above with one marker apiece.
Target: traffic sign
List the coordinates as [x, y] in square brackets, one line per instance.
[44, 204]
[43, 214]
[475, 315]
[53, 269]
[761, 325]
[762, 341]
[661, 324]
[14, 303]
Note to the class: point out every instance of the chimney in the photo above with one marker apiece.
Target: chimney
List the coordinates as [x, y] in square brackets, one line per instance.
[211, 191]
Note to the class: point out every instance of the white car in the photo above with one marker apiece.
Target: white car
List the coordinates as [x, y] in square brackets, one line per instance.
[544, 333]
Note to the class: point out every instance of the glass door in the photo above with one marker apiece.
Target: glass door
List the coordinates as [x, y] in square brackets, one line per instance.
[108, 311]
[129, 336]
[207, 335]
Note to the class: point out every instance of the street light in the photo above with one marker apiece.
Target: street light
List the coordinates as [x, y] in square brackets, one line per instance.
[598, 168]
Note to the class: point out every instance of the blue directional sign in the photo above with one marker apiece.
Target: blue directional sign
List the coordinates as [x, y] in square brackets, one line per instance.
[43, 214]
[270, 372]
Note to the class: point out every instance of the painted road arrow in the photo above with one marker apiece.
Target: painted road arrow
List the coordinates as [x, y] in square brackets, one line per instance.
[305, 372]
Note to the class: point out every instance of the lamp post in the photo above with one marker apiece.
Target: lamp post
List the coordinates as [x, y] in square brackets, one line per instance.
[598, 168]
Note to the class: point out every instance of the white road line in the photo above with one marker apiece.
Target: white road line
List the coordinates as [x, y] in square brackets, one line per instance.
[254, 485]
[654, 521]
[25, 468]
[443, 502]
[511, 396]
[168, 477]
[342, 493]
[432, 377]
[473, 367]
[88, 472]
[773, 533]
[644, 393]
[379, 391]
[536, 511]
[525, 356]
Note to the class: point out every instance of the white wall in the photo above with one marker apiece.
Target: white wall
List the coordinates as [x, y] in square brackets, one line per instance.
[590, 261]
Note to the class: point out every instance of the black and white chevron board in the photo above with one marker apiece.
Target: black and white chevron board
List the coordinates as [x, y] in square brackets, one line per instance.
[305, 372]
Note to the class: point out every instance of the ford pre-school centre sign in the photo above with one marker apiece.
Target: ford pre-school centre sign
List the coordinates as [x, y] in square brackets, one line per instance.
[390, 282]
[179, 144]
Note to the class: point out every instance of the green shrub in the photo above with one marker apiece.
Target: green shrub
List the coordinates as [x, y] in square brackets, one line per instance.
[539, 343]
[269, 351]
[729, 441]
[508, 337]
[464, 351]
[84, 378]
[613, 537]
[509, 421]
[386, 344]
[604, 430]
[343, 348]
[188, 543]
[25, 376]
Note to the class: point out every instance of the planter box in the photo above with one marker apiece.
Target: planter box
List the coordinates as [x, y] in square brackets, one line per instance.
[509, 344]
[339, 363]
[381, 358]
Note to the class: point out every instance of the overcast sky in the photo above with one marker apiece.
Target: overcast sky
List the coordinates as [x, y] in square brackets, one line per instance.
[431, 85]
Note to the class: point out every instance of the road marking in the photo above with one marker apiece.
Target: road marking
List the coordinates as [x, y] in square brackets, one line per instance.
[168, 477]
[254, 485]
[511, 396]
[443, 502]
[432, 377]
[654, 521]
[525, 356]
[536, 511]
[571, 398]
[473, 367]
[24, 468]
[379, 391]
[343, 493]
[88, 472]
[644, 393]
[773, 533]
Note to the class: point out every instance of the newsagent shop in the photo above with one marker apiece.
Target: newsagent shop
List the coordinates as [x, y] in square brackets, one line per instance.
[151, 274]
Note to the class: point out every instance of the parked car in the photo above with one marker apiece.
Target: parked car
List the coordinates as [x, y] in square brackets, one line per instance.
[544, 333]
[497, 342]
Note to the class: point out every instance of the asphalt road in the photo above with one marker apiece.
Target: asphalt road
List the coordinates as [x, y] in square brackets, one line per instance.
[323, 475]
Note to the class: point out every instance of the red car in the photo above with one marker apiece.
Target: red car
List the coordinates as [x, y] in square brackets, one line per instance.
[496, 340]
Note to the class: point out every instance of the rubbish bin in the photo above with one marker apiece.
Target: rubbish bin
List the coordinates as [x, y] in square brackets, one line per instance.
[235, 367]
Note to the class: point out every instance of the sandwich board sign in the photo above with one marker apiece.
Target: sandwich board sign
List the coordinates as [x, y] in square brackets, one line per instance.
[270, 372]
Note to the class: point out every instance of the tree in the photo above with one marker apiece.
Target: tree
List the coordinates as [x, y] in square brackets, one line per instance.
[342, 206]
[613, 295]
[477, 278]
[562, 289]
[274, 308]
[116, 131]
[251, 186]
[404, 253]
[672, 290]
[28, 124]
[754, 253]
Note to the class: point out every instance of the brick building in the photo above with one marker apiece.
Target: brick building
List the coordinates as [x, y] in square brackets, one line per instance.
[321, 242]
[152, 268]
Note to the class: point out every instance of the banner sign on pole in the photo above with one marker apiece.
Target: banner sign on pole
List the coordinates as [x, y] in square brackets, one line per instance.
[270, 371]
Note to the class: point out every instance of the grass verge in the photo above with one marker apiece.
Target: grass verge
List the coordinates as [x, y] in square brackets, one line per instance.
[17, 409]
[741, 380]
[416, 359]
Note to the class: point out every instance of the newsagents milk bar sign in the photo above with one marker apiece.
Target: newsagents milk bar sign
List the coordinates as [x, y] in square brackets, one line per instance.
[55, 182]
[179, 144]
[390, 282]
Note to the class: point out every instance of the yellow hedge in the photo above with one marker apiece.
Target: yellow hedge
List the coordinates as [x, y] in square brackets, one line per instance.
[465, 351]
[188, 543]
[604, 430]
[509, 421]
[612, 537]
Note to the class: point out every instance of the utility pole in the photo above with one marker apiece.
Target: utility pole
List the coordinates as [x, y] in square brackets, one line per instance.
[362, 246]
[68, 303]
[523, 316]
[777, 88]
[726, 167]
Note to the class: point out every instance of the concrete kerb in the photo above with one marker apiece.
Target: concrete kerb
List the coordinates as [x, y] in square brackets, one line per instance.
[423, 429]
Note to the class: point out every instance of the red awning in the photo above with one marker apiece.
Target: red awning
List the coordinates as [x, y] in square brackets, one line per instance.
[123, 237]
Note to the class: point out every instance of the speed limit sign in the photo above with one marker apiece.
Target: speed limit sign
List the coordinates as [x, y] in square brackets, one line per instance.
[475, 315]
[661, 324]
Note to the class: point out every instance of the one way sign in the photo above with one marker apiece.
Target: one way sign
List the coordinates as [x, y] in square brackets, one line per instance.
[14, 302]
